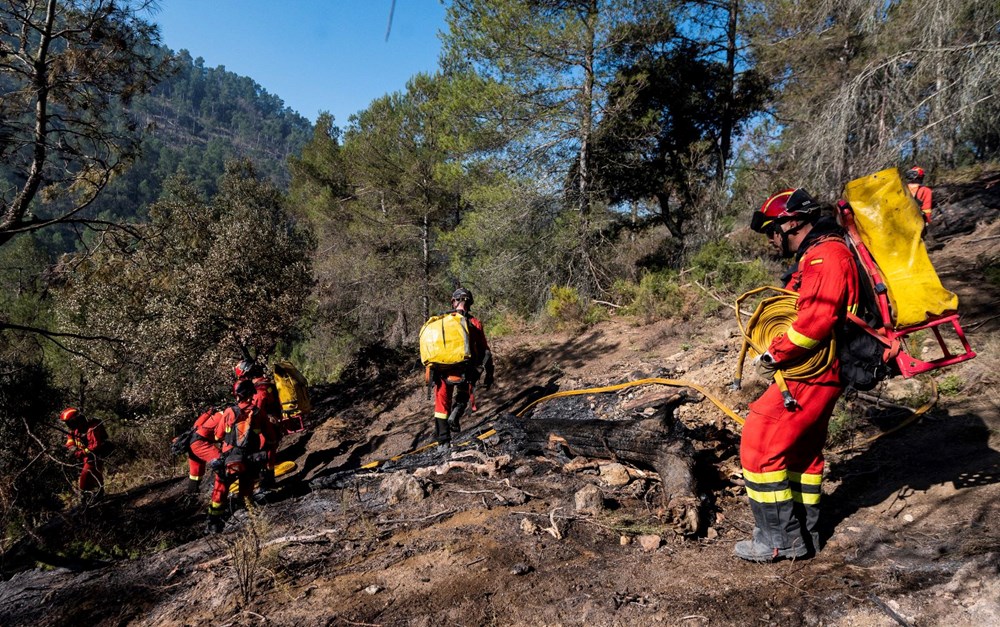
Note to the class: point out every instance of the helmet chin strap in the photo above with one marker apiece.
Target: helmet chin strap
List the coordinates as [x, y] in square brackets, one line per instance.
[786, 252]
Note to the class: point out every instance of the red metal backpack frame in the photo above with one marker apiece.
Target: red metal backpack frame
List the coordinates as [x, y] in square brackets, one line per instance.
[892, 338]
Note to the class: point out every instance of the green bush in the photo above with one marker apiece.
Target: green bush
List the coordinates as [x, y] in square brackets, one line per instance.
[951, 385]
[720, 266]
[567, 309]
[657, 295]
[844, 423]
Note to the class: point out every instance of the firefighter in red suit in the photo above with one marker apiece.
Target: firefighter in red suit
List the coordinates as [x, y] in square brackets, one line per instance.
[781, 450]
[453, 389]
[266, 400]
[87, 440]
[204, 447]
[920, 192]
[243, 454]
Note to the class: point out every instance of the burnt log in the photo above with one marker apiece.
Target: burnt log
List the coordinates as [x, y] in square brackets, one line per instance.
[658, 443]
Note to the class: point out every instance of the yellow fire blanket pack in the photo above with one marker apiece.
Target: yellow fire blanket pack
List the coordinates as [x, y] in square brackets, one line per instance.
[444, 340]
[889, 222]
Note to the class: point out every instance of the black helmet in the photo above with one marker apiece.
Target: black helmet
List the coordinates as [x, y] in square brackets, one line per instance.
[244, 389]
[915, 174]
[462, 294]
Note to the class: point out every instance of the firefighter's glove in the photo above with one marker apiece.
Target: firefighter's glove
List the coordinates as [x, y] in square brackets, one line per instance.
[765, 366]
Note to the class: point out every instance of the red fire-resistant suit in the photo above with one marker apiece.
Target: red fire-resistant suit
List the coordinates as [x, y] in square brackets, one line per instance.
[265, 398]
[924, 196]
[459, 382]
[204, 445]
[781, 450]
[241, 434]
[87, 440]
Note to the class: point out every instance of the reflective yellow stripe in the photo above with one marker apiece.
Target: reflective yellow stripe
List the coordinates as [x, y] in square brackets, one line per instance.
[765, 477]
[853, 309]
[777, 496]
[194, 477]
[440, 415]
[815, 262]
[774, 199]
[801, 340]
[805, 478]
[805, 498]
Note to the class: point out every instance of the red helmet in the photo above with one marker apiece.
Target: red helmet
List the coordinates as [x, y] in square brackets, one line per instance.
[915, 174]
[790, 204]
[247, 368]
[68, 414]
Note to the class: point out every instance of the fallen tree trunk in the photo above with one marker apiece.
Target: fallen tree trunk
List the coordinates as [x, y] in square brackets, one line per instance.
[660, 444]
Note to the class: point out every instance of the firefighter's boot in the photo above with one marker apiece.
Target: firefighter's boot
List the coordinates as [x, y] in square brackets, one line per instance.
[756, 549]
[455, 416]
[214, 524]
[442, 432]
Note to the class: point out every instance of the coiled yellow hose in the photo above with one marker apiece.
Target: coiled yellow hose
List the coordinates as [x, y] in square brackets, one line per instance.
[772, 318]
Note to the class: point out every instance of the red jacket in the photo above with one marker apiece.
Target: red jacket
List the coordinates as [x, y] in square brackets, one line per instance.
[206, 425]
[241, 425]
[89, 438]
[266, 398]
[924, 197]
[827, 282]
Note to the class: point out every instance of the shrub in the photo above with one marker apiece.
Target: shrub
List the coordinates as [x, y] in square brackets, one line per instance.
[951, 385]
[719, 265]
[658, 295]
[567, 309]
[844, 423]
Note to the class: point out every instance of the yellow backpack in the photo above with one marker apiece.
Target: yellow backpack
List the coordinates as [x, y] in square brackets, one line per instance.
[444, 340]
[291, 389]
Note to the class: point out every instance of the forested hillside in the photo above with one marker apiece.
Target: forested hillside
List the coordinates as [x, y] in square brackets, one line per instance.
[568, 162]
[194, 121]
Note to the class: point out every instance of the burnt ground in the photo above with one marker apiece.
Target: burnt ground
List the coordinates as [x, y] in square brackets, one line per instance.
[912, 518]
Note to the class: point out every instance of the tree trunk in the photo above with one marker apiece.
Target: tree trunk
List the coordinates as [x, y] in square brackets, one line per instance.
[425, 236]
[649, 443]
[726, 138]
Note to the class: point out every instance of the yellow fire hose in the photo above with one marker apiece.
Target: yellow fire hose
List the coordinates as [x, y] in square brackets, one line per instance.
[629, 384]
[772, 318]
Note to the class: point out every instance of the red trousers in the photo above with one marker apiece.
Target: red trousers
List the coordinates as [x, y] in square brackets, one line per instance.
[221, 489]
[781, 452]
[92, 475]
[202, 453]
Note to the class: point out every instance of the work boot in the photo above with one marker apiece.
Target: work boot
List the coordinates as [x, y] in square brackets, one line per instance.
[455, 416]
[267, 480]
[214, 524]
[192, 487]
[442, 432]
[755, 550]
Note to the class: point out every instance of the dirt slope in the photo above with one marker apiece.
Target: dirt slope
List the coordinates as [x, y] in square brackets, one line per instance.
[913, 518]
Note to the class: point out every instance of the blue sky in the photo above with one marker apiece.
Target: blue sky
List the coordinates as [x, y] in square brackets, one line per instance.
[316, 55]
